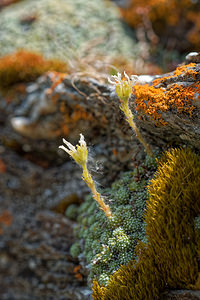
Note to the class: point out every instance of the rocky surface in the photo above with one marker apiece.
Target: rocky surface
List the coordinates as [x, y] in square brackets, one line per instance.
[38, 181]
[35, 261]
[182, 295]
[35, 237]
[86, 105]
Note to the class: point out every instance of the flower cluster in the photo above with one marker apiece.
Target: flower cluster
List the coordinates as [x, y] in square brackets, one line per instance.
[123, 87]
[79, 154]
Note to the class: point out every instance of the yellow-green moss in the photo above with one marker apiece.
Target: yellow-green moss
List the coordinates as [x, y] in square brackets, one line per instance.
[170, 259]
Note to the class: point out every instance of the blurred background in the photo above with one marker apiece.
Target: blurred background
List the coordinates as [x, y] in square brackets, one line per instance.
[42, 42]
[147, 36]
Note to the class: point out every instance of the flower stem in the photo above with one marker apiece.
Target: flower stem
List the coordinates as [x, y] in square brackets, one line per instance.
[89, 181]
[129, 117]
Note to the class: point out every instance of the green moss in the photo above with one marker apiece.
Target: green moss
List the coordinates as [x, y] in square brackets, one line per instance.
[71, 211]
[151, 161]
[197, 223]
[75, 250]
[108, 243]
[170, 258]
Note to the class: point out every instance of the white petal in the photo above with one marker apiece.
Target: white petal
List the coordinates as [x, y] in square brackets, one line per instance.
[119, 75]
[69, 145]
[65, 149]
[110, 81]
[115, 78]
[82, 141]
[126, 76]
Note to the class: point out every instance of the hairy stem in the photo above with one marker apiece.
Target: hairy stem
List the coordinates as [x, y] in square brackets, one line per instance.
[90, 183]
[129, 117]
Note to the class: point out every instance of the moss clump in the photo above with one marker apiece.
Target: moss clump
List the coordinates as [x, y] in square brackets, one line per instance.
[109, 243]
[170, 259]
[25, 66]
[71, 211]
[75, 249]
[174, 203]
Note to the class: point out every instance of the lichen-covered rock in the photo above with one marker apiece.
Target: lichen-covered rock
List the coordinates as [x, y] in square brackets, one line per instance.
[166, 109]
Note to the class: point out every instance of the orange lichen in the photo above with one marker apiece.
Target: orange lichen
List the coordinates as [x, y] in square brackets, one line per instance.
[194, 33]
[114, 151]
[77, 114]
[25, 66]
[57, 78]
[149, 8]
[77, 273]
[153, 100]
[71, 117]
[156, 9]
[157, 15]
[80, 114]
[6, 219]
[149, 100]
[185, 69]
[4, 3]
[77, 268]
[2, 166]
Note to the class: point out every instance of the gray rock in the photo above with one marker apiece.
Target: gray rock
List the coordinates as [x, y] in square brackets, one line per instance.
[35, 263]
[182, 295]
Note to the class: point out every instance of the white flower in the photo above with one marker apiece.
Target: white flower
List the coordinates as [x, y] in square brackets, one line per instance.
[123, 87]
[78, 153]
